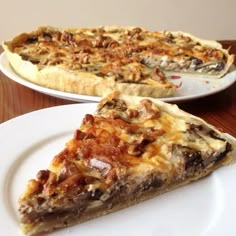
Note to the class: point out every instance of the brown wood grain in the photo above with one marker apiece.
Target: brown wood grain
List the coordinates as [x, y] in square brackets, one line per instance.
[218, 109]
[16, 99]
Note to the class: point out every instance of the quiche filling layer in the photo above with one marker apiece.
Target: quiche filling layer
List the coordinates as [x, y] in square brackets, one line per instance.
[119, 154]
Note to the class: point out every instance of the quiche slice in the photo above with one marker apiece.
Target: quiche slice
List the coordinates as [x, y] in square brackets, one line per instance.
[129, 150]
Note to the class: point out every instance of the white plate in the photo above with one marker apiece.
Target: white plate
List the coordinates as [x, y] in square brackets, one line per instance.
[27, 144]
[192, 88]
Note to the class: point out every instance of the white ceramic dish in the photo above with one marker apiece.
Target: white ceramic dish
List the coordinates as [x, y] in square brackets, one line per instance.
[192, 88]
[28, 143]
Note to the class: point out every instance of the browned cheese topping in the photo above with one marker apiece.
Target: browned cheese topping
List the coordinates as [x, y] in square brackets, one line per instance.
[117, 146]
[130, 55]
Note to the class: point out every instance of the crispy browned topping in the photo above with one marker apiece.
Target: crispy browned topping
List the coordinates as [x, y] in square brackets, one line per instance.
[127, 56]
[148, 109]
[109, 143]
[121, 151]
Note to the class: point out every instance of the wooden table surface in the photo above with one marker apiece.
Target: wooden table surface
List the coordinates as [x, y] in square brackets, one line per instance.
[218, 109]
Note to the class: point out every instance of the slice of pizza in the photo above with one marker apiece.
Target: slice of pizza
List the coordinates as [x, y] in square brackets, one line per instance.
[97, 61]
[129, 150]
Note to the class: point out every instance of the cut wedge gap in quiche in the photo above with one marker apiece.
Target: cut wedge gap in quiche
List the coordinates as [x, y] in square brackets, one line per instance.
[131, 149]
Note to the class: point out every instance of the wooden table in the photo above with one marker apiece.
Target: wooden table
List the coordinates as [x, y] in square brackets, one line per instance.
[218, 109]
